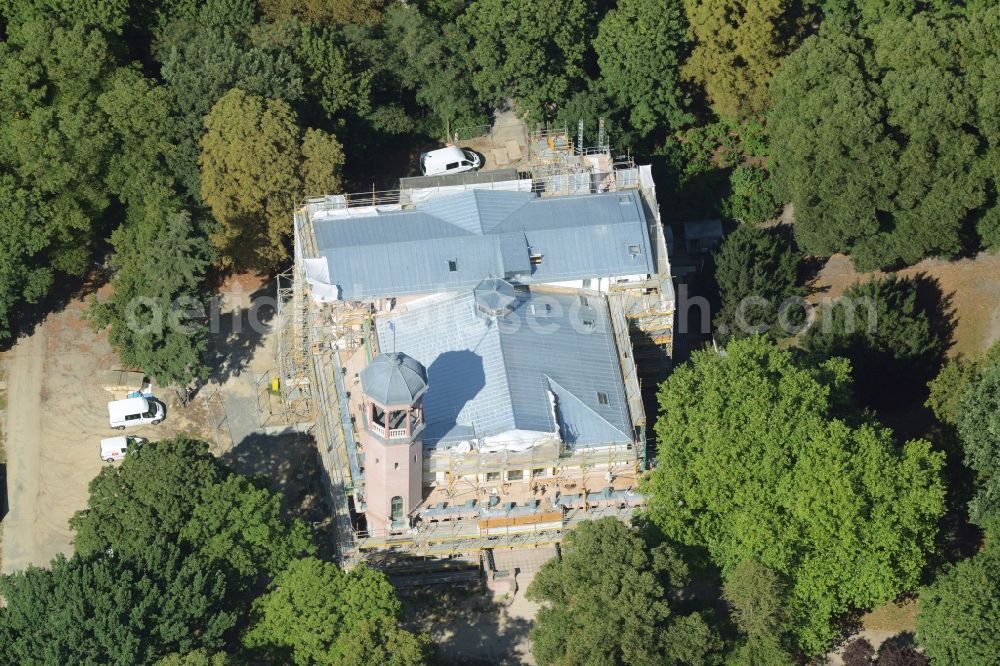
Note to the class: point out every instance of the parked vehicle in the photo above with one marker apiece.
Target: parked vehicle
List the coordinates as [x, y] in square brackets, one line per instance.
[114, 448]
[451, 159]
[134, 411]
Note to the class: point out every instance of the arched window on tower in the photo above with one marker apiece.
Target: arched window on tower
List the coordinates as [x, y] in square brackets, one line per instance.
[396, 509]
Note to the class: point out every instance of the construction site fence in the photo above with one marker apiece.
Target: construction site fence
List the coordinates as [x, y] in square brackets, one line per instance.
[471, 132]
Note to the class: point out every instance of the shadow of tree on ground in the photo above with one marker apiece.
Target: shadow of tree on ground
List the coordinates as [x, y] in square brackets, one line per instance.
[291, 465]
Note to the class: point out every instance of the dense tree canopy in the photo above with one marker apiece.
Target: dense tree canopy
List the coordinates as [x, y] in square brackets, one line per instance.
[978, 426]
[202, 56]
[175, 491]
[361, 12]
[609, 600]
[151, 494]
[529, 51]
[114, 609]
[756, 271]
[315, 613]
[254, 162]
[431, 60]
[758, 599]
[738, 46]
[886, 141]
[197, 658]
[55, 148]
[960, 613]
[761, 458]
[639, 47]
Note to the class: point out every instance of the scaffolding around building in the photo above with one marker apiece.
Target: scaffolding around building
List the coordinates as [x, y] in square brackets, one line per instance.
[317, 338]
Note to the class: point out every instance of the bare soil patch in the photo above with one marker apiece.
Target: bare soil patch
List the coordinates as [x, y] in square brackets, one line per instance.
[973, 285]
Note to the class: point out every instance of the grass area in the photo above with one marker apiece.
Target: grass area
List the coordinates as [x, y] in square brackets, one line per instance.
[894, 617]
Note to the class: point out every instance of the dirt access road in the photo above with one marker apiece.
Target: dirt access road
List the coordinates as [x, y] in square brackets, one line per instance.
[56, 417]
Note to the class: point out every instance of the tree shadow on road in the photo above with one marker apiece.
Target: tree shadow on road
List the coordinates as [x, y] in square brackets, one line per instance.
[236, 334]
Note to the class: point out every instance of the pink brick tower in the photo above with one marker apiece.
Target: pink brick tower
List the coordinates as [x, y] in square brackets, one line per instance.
[393, 386]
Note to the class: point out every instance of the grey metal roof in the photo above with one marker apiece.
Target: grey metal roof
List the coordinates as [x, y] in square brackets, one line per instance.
[488, 376]
[451, 243]
[394, 379]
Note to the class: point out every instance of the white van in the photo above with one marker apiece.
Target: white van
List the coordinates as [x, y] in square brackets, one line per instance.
[114, 448]
[133, 412]
[448, 160]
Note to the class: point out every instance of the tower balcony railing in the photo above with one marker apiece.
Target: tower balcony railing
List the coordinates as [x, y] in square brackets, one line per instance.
[394, 433]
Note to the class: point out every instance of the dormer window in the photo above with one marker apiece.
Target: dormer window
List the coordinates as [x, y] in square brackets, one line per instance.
[541, 309]
[634, 250]
[453, 265]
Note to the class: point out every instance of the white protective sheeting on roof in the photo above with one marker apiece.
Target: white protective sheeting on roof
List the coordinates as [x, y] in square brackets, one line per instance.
[318, 276]
[355, 211]
[646, 175]
[516, 441]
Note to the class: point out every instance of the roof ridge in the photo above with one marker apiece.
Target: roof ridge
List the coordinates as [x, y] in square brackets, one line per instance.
[585, 405]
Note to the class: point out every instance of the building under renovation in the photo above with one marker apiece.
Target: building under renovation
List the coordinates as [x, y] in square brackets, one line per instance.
[469, 348]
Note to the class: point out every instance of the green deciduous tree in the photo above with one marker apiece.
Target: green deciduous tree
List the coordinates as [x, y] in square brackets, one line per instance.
[240, 524]
[751, 198]
[315, 613]
[947, 388]
[429, 59]
[110, 16]
[608, 600]
[55, 145]
[832, 159]
[531, 51]
[758, 599]
[895, 339]
[175, 491]
[884, 140]
[978, 424]
[960, 613]
[363, 12]
[738, 46]
[322, 163]
[197, 658]
[150, 496]
[252, 175]
[111, 609]
[639, 47]
[756, 463]
[202, 56]
[756, 271]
